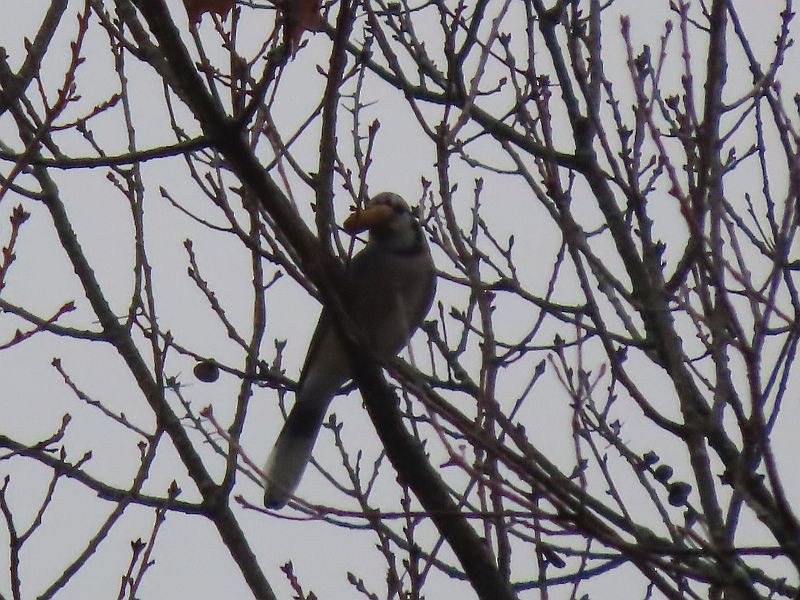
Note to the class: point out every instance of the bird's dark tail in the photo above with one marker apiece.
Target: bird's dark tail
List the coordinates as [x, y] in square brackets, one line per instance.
[292, 451]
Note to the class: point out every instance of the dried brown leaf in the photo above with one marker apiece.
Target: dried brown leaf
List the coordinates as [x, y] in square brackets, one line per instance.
[300, 16]
[195, 9]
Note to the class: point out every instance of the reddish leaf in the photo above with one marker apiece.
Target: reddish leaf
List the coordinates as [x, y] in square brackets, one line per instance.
[300, 16]
[195, 9]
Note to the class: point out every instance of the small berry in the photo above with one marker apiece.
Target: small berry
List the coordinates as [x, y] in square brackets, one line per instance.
[663, 473]
[678, 493]
[206, 370]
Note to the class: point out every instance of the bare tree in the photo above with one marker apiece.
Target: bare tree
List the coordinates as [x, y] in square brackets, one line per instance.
[603, 392]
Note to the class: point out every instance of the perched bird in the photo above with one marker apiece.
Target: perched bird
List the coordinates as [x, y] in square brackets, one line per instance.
[388, 287]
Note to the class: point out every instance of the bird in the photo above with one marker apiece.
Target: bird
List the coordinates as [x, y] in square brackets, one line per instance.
[388, 287]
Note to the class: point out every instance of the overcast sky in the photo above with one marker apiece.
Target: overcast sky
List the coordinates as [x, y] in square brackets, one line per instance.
[190, 560]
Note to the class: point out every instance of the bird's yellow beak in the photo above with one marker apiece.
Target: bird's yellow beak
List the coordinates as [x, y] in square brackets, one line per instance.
[367, 218]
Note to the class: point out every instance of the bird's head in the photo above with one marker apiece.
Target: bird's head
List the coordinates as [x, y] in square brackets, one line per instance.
[389, 221]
